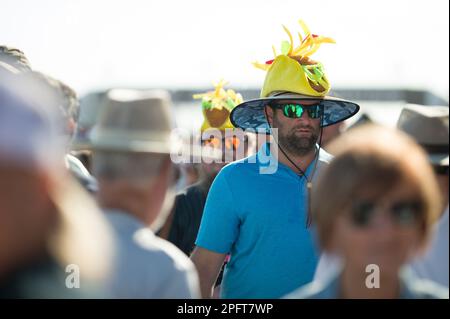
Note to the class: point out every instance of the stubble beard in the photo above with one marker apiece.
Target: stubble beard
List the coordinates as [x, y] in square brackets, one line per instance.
[298, 145]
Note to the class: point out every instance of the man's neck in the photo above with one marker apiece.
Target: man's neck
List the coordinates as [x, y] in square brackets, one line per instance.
[302, 161]
[206, 182]
[130, 202]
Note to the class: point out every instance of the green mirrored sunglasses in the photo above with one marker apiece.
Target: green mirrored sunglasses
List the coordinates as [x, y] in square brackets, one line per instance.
[294, 110]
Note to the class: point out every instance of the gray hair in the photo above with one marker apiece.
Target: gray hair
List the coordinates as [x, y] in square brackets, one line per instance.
[132, 167]
[68, 99]
[15, 58]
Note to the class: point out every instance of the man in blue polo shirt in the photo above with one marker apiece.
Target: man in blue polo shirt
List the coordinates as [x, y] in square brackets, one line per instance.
[257, 209]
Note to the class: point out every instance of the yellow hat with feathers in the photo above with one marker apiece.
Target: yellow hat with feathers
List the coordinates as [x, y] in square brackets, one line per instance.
[293, 75]
[217, 106]
[292, 70]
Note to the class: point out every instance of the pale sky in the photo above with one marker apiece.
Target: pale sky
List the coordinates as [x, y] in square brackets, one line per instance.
[94, 44]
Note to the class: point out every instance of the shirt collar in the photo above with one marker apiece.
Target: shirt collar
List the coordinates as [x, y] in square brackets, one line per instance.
[124, 220]
[331, 286]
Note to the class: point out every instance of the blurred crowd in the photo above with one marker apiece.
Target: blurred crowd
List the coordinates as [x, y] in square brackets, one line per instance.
[351, 211]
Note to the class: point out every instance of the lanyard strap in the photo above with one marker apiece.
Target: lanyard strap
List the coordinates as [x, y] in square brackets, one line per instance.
[303, 174]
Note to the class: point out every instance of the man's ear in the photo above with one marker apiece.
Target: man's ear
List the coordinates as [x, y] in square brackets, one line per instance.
[166, 168]
[269, 114]
[163, 176]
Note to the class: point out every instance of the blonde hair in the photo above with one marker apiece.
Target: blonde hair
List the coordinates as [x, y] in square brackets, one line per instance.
[379, 159]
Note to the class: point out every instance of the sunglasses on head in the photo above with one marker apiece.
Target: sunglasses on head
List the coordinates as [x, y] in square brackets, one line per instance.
[402, 213]
[229, 143]
[296, 110]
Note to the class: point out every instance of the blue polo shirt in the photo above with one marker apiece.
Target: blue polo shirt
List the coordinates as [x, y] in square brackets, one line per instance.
[256, 211]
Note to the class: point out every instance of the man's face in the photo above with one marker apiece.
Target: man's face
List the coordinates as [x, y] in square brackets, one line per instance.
[232, 148]
[297, 135]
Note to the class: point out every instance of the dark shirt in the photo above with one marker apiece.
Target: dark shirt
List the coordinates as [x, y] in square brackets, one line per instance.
[188, 211]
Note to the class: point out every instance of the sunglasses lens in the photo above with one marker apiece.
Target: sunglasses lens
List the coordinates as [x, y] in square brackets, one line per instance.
[405, 213]
[314, 111]
[214, 142]
[296, 110]
[402, 213]
[229, 143]
[292, 110]
[362, 213]
[232, 143]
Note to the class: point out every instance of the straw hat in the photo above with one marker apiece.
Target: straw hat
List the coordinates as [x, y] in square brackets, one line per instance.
[141, 122]
[428, 125]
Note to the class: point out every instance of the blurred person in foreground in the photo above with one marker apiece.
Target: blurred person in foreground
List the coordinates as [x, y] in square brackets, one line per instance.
[54, 242]
[257, 210]
[14, 62]
[132, 161]
[375, 207]
[68, 106]
[429, 127]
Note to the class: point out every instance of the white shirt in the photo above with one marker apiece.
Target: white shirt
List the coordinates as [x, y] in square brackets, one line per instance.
[147, 266]
[433, 264]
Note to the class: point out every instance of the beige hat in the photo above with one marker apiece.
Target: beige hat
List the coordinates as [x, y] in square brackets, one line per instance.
[141, 121]
[428, 125]
[134, 121]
